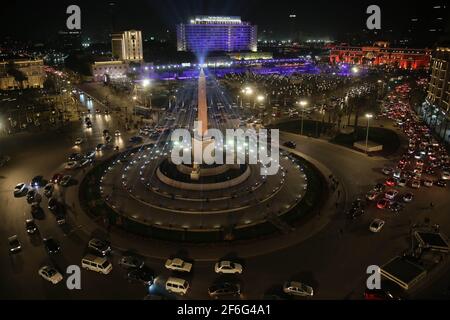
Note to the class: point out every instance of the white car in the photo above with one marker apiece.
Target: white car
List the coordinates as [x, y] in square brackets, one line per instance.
[71, 165]
[297, 289]
[391, 194]
[387, 170]
[415, 184]
[78, 141]
[20, 190]
[428, 183]
[402, 182]
[445, 175]
[50, 274]
[178, 265]
[228, 267]
[117, 133]
[376, 225]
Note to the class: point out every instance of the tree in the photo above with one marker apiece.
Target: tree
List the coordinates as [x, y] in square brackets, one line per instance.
[18, 75]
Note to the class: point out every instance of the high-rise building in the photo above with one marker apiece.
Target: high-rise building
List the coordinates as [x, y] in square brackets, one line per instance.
[204, 34]
[127, 46]
[436, 108]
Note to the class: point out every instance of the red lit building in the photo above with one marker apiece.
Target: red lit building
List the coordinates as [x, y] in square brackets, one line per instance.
[381, 55]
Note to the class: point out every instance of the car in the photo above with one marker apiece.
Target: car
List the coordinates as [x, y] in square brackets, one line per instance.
[20, 190]
[48, 189]
[408, 197]
[297, 289]
[105, 132]
[14, 244]
[441, 183]
[31, 226]
[117, 133]
[33, 196]
[177, 264]
[290, 144]
[36, 210]
[396, 207]
[52, 204]
[376, 225]
[78, 141]
[415, 183]
[66, 180]
[228, 267]
[379, 187]
[142, 274]
[108, 139]
[445, 175]
[100, 247]
[355, 212]
[428, 183]
[57, 177]
[372, 195]
[391, 194]
[402, 182]
[387, 170]
[390, 182]
[100, 147]
[60, 218]
[37, 182]
[136, 139]
[50, 274]
[383, 204]
[75, 157]
[177, 285]
[131, 261]
[51, 245]
[224, 289]
[71, 165]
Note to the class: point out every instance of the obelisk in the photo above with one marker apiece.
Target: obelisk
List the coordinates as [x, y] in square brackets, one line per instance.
[202, 105]
[199, 140]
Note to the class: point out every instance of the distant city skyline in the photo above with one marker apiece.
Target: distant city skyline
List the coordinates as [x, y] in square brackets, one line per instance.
[281, 20]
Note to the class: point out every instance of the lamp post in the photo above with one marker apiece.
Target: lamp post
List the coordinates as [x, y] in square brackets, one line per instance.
[368, 117]
[260, 98]
[303, 104]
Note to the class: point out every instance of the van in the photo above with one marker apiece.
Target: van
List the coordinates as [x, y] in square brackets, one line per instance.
[97, 264]
[177, 285]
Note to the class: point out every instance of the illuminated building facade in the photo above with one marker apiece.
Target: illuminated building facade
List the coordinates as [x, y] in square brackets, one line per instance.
[381, 55]
[21, 74]
[107, 70]
[436, 108]
[212, 33]
[127, 46]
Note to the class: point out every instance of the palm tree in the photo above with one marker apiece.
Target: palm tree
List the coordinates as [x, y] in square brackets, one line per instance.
[18, 75]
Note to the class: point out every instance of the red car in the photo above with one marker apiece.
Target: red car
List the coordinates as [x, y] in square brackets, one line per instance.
[390, 182]
[57, 177]
[383, 204]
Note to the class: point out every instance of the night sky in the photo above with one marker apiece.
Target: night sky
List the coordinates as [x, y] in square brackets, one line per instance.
[37, 20]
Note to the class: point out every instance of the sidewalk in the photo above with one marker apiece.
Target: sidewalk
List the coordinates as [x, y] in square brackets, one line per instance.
[157, 249]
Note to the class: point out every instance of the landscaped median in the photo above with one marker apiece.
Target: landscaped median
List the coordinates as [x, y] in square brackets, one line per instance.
[94, 204]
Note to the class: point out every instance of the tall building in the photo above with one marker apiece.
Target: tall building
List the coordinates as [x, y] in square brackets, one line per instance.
[204, 34]
[436, 108]
[380, 54]
[127, 46]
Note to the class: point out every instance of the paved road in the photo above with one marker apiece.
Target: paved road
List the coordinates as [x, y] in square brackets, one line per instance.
[333, 263]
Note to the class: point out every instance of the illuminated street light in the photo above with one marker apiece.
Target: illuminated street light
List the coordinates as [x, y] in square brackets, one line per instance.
[303, 104]
[145, 83]
[355, 70]
[368, 117]
[260, 98]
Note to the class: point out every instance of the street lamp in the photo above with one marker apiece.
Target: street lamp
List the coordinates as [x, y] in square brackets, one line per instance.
[145, 83]
[303, 104]
[368, 117]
